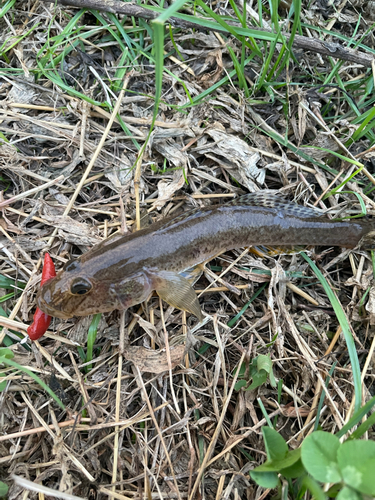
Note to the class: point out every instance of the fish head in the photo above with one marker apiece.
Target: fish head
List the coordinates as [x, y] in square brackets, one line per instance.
[74, 292]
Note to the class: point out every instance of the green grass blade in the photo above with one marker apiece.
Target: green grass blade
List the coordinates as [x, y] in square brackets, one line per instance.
[343, 320]
[364, 427]
[265, 414]
[35, 377]
[323, 395]
[91, 337]
[357, 417]
[158, 29]
[6, 7]
[361, 130]
[234, 320]
[336, 189]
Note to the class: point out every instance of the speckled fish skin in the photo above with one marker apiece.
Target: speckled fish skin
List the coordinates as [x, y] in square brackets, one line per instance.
[124, 271]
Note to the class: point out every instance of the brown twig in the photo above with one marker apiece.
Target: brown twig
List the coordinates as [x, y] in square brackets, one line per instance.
[301, 42]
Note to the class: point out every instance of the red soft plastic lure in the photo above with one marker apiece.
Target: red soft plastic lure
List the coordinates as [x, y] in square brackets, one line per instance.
[41, 320]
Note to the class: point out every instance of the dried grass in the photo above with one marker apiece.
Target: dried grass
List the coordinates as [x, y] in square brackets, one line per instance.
[169, 424]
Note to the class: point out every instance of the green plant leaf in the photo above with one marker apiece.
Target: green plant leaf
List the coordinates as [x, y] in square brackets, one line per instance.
[265, 363]
[356, 460]
[291, 458]
[265, 479]
[234, 320]
[240, 384]
[319, 456]
[259, 378]
[348, 494]
[296, 469]
[6, 282]
[314, 488]
[260, 369]
[3, 384]
[3, 489]
[275, 445]
[6, 353]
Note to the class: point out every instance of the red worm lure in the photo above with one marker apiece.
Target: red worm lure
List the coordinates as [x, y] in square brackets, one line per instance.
[42, 320]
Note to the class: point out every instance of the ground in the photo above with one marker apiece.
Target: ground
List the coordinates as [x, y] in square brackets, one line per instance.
[154, 403]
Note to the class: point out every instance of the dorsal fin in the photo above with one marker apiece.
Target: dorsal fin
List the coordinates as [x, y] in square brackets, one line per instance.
[189, 214]
[270, 199]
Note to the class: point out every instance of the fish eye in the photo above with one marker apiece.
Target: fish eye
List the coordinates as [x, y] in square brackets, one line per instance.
[70, 265]
[80, 286]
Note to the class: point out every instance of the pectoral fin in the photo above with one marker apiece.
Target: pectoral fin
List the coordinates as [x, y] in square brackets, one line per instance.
[193, 274]
[177, 291]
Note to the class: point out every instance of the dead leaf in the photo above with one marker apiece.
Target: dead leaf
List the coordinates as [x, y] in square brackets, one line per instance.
[73, 231]
[370, 306]
[167, 189]
[235, 155]
[292, 412]
[213, 58]
[152, 361]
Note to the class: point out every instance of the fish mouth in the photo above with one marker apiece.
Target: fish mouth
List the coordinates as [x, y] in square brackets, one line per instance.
[53, 311]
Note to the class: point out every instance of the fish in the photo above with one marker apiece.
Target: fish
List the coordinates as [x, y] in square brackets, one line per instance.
[124, 270]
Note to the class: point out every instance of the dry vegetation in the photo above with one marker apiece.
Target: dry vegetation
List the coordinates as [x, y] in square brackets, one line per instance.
[160, 418]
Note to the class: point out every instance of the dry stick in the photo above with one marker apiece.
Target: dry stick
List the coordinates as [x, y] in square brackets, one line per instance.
[34, 106]
[279, 158]
[83, 129]
[212, 444]
[220, 488]
[137, 177]
[25, 194]
[168, 353]
[303, 294]
[24, 254]
[182, 65]
[67, 423]
[113, 494]
[319, 199]
[239, 438]
[132, 421]
[22, 328]
[314, 45]
[42, 490]
[51, 127]
[30, 173]
[49, 357]
[12, 258]
[118, 398]
[14, 325]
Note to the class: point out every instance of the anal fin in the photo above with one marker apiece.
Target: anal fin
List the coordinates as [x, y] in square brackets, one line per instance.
[265, 250]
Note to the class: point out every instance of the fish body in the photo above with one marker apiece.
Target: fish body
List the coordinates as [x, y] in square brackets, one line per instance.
[122, 272]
